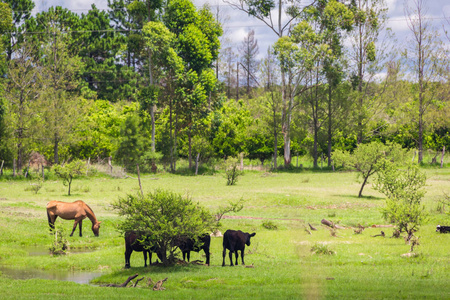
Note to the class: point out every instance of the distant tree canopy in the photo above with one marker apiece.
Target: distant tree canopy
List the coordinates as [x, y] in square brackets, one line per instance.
[154, 80]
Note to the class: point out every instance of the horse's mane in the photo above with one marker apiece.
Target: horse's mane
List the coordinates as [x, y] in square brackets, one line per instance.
[89, 208]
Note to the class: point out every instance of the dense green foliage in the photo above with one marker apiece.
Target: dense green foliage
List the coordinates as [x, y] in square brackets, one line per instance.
[70, 83]
[404, 190]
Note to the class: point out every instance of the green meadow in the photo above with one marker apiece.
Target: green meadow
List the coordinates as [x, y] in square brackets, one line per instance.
[280, 263]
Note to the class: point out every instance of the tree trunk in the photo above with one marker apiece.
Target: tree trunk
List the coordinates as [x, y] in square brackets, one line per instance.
[55, 149]
[139, 179]
[362, 186]
[237, 82]
[69, 183]
[442, 157]
[196, 163]
[152, 116]
[329, 125]
[190, 148]
[286, 121]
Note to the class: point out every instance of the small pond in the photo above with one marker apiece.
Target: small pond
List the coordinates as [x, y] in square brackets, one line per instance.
[78, 277]
[75, 276]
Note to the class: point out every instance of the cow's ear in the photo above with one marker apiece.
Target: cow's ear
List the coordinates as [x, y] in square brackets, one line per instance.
[253, 234]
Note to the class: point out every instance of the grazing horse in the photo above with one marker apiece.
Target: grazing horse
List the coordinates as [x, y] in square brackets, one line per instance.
[137, 242]
[77, 211]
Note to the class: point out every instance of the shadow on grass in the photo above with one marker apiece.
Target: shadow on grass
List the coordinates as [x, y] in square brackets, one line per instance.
[360, 198]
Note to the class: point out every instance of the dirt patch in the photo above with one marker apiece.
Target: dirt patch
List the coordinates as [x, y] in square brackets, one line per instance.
[346, 205]
[259, 218]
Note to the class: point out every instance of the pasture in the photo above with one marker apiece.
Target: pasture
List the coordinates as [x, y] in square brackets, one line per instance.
[278, 207]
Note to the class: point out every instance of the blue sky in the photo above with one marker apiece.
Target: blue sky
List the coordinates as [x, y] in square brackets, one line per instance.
[237, 24]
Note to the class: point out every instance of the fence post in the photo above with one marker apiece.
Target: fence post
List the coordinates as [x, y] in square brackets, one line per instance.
[139, 178]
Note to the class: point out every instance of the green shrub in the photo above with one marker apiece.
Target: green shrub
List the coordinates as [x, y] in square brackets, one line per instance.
[321, 249]
[269, 225]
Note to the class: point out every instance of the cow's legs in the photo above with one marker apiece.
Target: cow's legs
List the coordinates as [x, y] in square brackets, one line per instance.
[207, 255]
[224, 253]
[231, 258]
[128, 252]
[188, 254]
[237, 255]
[145, 257]
[242, 256]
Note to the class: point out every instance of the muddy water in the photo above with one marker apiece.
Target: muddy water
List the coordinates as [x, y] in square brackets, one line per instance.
[78, 277]
[22, 274]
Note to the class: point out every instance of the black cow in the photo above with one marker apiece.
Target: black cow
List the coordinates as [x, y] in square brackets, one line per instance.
[234, 241]
[132, 244]
[443, 229]
[187, 245]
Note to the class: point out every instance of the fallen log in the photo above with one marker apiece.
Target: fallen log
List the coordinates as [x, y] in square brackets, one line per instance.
[123, 284]
[137, 281]
[327, 223]
[382, 234]
[312, 227]
[158, 286]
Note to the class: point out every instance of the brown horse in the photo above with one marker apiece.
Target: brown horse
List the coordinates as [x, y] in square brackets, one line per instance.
[77, 211]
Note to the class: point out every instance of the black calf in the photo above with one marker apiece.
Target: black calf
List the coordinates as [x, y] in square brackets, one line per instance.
[234, 241]
[443, 229]
[132, 243]
[187, 245]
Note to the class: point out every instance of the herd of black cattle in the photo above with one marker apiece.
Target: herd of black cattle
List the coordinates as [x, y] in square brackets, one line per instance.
[233, 240]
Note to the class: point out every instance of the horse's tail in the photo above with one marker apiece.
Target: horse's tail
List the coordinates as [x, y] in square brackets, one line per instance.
[50, 223]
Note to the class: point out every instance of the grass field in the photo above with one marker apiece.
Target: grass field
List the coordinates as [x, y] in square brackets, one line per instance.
[283, 265]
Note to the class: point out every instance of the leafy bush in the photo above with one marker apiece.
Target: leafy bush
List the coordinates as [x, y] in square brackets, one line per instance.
[404, 192]
[269, 225]
[162, 217]
[232, 171]
[321, 249]
[60, 244]
[69, 171]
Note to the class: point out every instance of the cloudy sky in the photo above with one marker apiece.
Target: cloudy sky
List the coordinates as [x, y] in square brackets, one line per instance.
[237, 24]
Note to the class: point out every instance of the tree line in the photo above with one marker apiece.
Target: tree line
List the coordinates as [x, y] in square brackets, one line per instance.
[147, 81]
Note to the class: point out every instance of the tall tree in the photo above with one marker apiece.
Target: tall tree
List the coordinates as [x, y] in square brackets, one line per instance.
[22, 90]
[198, 44]
[99, 47]
[327, 19]
[370, 18]
[5, 26]
[272, 101]
[426, 59]
[21, 12]
[278, 16]
[249, 49]
[228, 60]
[59, 105]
